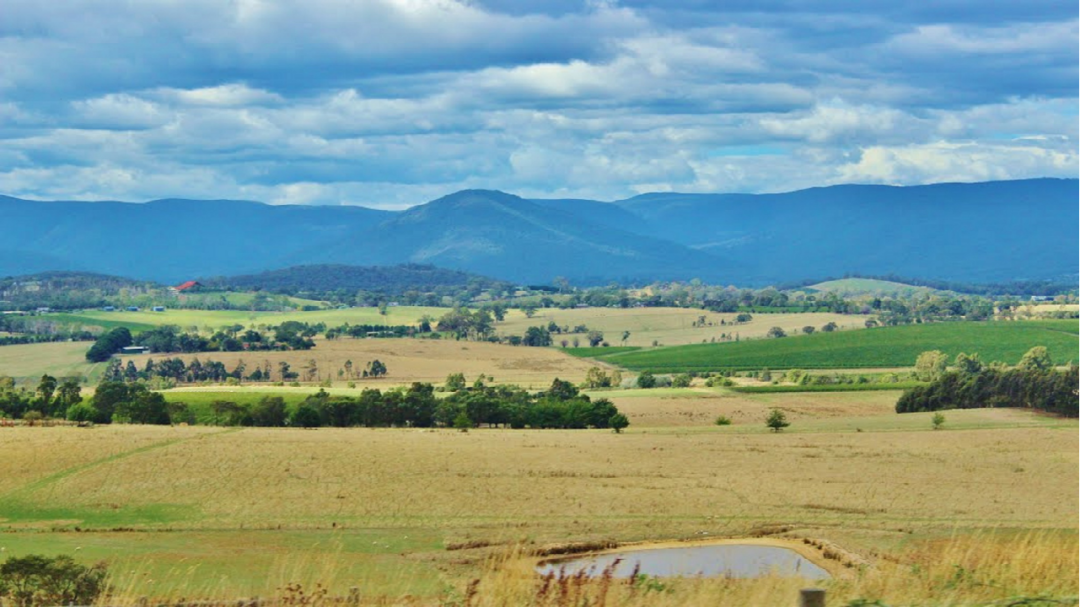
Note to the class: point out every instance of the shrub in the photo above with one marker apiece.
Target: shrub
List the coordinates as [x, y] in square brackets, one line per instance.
[938, 421]
[777, 421]
[723, 420]
[681, 381]
[646, 380]
[82, 412]
[617, 422]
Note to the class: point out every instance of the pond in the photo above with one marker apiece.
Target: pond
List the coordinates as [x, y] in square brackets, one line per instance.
[729, 560]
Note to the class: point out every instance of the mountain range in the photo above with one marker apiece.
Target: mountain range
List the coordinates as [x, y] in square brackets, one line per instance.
[977, 232]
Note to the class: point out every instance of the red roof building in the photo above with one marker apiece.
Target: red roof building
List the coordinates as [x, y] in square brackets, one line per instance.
[188, 286]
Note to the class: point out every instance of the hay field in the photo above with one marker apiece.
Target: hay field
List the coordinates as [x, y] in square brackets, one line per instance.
[423, 360]
[698, 407]
[259, 506]
[668, 326]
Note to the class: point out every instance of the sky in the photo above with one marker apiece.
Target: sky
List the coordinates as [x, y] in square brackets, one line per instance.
[392, 103]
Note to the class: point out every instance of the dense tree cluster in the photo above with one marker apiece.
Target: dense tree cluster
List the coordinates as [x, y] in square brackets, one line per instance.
[561, 406]
[68, 290]
[108, 344]
[52, 398]
[1033, 384]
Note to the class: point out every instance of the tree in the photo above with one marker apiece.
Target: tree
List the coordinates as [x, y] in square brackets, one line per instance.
[305, 416]
[1036, 359]
[646, 380]
[597, 378]
[45, 391]
[529, 310]
[829, 327]
[82, 412]
[776, 420]
[595, 337]
[968, 365]
[35, 579]
[625, 336]
[938, 421]
[376, 368]
[617, 422]
[455, 382]
[808, 329]
[269, 412]
[776, 332]
[930, 365]
[537, 337]
[743, 317]
[462, 422]
[681, 380]
[143, 407]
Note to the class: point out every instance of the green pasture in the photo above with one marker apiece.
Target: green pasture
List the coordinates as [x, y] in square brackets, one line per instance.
[879, 347]
[868, 286]
[28, 362]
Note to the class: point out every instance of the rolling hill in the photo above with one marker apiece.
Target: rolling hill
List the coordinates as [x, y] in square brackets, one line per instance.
[976, 233]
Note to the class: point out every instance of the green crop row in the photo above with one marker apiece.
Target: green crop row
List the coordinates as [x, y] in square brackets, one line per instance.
[879, 347]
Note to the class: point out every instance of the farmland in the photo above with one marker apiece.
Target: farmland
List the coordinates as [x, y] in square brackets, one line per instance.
[412, 515]
[247, 510]
[668, 326]
[879, 347]
[215, 319]
[411, 360]
[59, 359]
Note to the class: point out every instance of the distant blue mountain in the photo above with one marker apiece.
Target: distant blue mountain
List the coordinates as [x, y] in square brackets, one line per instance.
[981, 232]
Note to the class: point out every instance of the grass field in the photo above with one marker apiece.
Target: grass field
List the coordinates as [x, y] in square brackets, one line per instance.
[880, 347]
[237, 512]
[869, 286]
[60, 359]
[668, 326]
[213, 319]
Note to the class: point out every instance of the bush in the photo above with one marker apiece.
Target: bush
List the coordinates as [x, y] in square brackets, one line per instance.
[82, 412]
[646, 380]
[617, 422]
[777, 421]
[681, 381]
[36, 581]
[723, 420]
[938, 421]
[305, 416]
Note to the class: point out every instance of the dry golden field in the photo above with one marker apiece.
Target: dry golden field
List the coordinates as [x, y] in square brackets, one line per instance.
[664, 408]
[234, 512]
[668, 326]
[423, 360]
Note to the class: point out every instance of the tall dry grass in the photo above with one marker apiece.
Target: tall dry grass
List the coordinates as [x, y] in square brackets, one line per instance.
[1030, 568]
[991, 568]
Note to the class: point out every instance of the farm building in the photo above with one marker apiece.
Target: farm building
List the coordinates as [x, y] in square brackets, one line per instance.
[135, 350]
[159, 308]
[191, 286]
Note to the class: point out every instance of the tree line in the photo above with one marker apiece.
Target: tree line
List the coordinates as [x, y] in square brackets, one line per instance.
[560, 406]
[1032, 384]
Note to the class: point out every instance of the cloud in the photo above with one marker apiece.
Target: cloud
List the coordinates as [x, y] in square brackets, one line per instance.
[394, 102]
